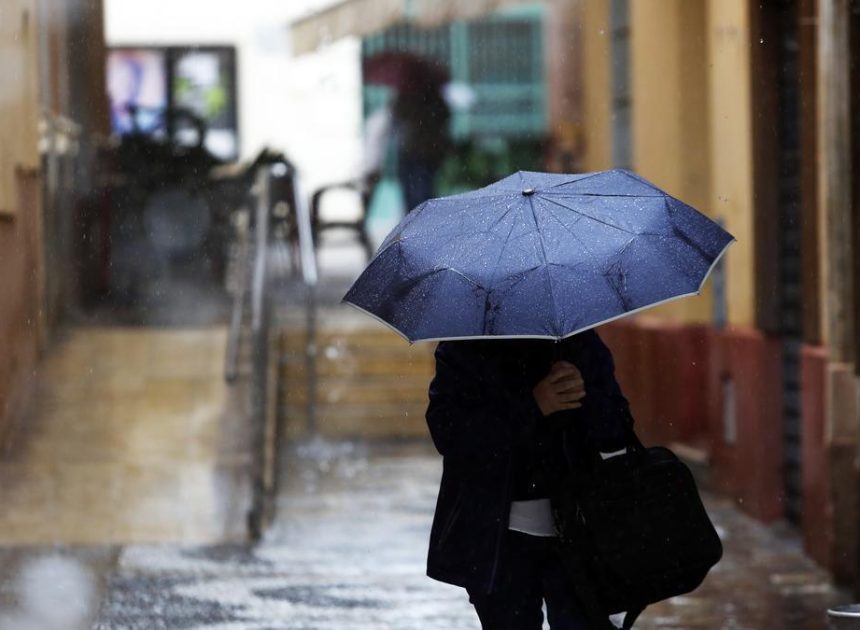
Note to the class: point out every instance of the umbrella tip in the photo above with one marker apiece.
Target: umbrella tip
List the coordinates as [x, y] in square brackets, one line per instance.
[528, 192]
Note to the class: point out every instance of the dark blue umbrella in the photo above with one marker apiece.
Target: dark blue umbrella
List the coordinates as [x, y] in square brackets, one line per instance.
[537, 255]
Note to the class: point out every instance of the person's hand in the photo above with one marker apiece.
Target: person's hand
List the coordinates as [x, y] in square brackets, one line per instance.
[561, 389]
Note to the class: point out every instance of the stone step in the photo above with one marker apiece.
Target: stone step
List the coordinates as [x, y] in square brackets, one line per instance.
[358, 366]
[371, 383]
[361, 391]
[343, 344]
[345, 421]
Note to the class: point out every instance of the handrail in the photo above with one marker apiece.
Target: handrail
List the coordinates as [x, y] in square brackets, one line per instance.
[264, 425]
[231, 362]
[260, 316]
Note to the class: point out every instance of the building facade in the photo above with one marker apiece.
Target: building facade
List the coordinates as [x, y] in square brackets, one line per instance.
[52, 111]
[748, 111]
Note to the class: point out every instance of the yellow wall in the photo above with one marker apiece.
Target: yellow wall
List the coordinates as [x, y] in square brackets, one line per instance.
[691, 121]
[670, 134]
[596, 94]
[728, 40]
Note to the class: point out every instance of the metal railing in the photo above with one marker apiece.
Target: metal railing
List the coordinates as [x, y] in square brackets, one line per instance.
[253, 272]
[231, 361]
[263, 475]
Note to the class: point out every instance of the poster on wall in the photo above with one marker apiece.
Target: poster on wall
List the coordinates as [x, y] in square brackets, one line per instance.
[137, 85]
[176, 92]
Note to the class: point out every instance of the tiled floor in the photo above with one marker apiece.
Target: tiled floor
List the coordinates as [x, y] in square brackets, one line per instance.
[130, 441]
[349, 548]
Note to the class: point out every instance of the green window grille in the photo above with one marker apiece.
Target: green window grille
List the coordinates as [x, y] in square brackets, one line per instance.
[500, 57]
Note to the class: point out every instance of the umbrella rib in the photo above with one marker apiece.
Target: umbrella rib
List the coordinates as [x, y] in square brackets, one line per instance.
[471, 194]
[460, 273]
[581, 179]
[588, 216]
[502, 249]
[676, 231]
[630, 174]
[502, 218]
[546, 262]
[549, 191]
[397, 240]
[595, 269]
[407, 221]
[576, 236]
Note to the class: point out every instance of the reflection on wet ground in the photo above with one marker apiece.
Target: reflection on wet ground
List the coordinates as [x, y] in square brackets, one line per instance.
[130, 441]
[349, 547]
[125, 494]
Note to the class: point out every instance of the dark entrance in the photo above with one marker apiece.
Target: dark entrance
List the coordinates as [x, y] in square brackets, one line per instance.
[777, 135]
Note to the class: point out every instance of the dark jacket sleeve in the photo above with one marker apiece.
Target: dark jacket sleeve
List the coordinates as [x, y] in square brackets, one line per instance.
[609, 422]
[471, 414]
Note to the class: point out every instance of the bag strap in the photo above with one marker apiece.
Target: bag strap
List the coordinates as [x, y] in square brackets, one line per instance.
[632, 443]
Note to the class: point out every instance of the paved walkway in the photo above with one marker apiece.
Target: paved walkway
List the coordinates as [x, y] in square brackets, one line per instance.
[131, 439]
[349, 547]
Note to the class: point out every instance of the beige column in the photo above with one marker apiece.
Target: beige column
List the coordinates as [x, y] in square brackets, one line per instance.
[596, 133]
[835, 201]
[834, 183]
[731, 162]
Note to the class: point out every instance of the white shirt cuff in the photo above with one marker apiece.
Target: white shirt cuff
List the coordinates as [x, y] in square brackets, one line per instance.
[613, 453]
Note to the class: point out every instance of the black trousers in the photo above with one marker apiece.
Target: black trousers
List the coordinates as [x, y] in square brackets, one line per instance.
[529, 573]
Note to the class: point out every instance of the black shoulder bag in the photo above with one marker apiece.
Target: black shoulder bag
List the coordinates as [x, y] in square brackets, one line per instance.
[633, 531]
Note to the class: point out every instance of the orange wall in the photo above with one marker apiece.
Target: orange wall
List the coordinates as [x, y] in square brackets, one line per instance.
[675, 376]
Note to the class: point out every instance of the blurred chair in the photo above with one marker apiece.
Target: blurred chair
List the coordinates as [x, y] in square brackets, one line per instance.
[363, 187]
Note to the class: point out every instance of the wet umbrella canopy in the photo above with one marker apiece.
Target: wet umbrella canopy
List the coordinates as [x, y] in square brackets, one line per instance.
[537, 255]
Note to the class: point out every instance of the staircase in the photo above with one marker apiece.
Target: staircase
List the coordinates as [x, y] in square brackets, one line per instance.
[370, 383]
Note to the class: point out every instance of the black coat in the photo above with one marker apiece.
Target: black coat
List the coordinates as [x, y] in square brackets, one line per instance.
[486, 424]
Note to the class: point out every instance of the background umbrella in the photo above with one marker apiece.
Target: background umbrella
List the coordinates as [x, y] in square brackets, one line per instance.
[537, 255]
[404, 70]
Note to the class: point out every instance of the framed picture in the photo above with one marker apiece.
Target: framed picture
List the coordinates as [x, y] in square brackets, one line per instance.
[147, 82]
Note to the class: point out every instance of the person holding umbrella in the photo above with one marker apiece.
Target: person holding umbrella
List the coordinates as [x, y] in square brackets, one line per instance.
[512, 279]
[506, 416]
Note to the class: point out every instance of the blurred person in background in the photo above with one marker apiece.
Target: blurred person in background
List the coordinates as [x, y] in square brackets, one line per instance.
[420, 118]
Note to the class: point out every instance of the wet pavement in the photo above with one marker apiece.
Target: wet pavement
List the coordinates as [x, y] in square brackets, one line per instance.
[348, 551]
[122, 505]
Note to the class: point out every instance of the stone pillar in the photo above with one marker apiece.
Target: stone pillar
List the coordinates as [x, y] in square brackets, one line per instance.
[834, 150]
[836, 247]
